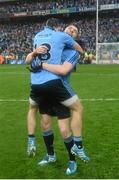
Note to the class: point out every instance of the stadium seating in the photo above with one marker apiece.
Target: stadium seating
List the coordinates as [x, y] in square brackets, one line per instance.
[16, 38]
[29, 6]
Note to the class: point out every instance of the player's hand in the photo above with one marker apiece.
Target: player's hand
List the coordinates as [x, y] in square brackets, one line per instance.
[41, 50]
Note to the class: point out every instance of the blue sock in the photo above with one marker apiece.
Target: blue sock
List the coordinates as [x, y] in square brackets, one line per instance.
[78, 141]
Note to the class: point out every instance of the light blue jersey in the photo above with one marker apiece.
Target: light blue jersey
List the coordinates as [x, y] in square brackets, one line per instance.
[56, 42]
[71, 56]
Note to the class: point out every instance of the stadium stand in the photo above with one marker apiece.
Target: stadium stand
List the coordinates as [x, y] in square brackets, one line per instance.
[108, 30]
[101, 2]
[30, 6]
[17, 38]
[22, 19]
[17, 35]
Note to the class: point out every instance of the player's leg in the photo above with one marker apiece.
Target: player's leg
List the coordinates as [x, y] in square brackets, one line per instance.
[31, 119]
[48, 137]
[63, 93]
[76, 120]
[69, 99]
[47, 133]
[64, 126]
[63, 115]
[31, 124]
[76, 127]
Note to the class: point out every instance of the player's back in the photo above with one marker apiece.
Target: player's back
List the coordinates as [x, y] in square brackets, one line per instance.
[55, 41]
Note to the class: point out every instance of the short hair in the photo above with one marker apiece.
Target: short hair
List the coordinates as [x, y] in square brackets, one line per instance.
[53, 22]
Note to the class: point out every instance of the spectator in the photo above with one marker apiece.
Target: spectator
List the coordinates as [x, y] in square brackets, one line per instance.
[29, 6]
[102, 2]
[108, 30]
[17, 38]
[2, 60]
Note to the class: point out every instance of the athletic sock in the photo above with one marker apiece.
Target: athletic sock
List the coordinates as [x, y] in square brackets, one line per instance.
[78, 141]
[69, 143]
[48, 137]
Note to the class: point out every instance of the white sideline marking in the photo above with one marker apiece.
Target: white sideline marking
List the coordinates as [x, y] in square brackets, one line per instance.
[13, 100]
[101, 99]
[75, 73]
[92, 99]
[96, 74]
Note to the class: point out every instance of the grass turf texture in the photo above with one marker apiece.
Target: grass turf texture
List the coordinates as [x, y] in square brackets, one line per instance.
[100, 130]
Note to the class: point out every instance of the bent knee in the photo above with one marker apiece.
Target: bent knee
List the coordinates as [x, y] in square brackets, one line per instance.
[77, 106]
[45, 126]
[65, 133]
[45, 123]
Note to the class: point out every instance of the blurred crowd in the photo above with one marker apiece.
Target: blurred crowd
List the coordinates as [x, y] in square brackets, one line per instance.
[108, 30]
[29, 6]
[101, 2]
[17, 38]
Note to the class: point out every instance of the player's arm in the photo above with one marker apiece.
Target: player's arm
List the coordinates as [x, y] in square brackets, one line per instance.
[71, 43]
[78, 48]
[37, 51]
[30, 57]
[63, 69]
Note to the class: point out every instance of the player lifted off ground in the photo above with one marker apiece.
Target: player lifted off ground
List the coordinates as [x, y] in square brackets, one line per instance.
[74, 106]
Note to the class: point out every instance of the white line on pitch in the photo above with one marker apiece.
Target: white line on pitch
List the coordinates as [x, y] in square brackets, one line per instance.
[101, 99]
[75, 73]
[91, 99]
[13, 100]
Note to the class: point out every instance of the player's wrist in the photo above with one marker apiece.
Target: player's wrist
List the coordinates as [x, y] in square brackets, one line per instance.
[44, 65]
[41, 64]
[34, 53]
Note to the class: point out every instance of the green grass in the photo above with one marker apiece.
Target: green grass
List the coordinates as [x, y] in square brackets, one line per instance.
[100, 129]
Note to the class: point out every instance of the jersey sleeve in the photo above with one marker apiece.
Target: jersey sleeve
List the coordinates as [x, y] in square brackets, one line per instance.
[74, 59]
[70, 56]
[69, 41]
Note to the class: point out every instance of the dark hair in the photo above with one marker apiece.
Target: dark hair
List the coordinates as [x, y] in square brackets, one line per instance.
[53, 22]
[75, 24]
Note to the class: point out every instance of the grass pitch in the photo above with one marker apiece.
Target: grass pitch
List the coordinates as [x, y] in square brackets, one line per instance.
[98, 87]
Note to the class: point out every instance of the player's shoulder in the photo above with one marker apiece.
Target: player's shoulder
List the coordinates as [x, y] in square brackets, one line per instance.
[63, 34]
[39, 33]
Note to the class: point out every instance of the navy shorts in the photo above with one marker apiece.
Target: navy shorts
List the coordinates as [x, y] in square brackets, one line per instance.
[49, 96]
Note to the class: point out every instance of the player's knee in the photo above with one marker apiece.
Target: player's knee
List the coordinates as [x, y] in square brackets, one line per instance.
[45, 123]
[45, 126]
[77, 106]
[64, 132]
[80, 107]
[33, 107]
